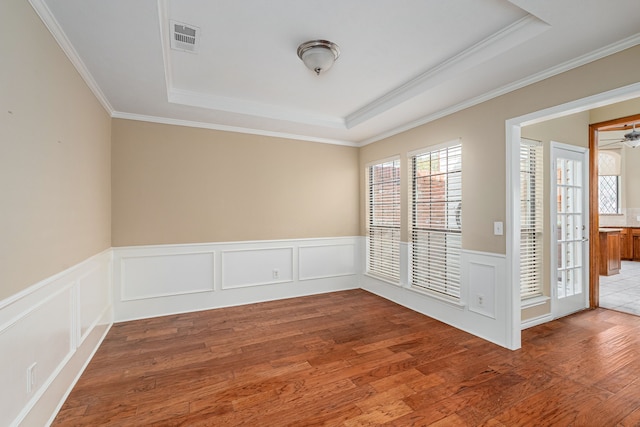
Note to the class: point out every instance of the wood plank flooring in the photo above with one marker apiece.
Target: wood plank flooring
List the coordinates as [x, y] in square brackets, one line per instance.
[352, 359]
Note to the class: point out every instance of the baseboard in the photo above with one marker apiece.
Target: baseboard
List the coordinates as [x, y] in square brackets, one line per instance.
[535, 321]
[48, 333]
[482, 274]
[151, 281]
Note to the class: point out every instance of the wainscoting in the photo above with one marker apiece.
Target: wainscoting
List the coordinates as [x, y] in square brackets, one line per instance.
[154, 281]
[48, 334]
[482, 310]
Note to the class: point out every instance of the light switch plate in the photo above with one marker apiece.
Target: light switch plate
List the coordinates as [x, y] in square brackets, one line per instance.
[498, 228]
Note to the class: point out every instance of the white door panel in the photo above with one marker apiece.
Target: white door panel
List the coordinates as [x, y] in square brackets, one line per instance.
[570, 217]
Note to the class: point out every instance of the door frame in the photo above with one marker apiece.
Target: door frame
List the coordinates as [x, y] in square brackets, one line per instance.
[594, 217]
[513, 322]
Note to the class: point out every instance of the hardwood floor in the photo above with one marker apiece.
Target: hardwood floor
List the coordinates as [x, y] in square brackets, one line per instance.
[351, 359]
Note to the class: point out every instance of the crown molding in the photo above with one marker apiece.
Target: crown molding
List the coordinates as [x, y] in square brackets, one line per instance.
[43, 11]
[535, 78]
[232, 105]
[507, 38]
[225, 128]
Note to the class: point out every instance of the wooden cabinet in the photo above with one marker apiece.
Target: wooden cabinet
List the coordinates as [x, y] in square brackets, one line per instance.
[626, 244]
[635, 243]
[610, 251]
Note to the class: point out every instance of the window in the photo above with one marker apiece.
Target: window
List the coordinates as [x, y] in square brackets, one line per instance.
[383, 258]
[531, 218]
[609, 181]
[436, 227]
[608, 194]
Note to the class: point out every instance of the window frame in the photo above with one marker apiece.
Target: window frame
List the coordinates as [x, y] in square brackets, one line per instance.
[531, 224]
[618, 200]
[427, 272]
[383, 255]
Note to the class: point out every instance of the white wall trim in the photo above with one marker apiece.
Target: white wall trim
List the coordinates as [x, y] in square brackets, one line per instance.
[488, 322]
[512, 141]
[227, 128]
[535, 321]
[243, 273]
[279, 260]
[341, 263]
[54, 325]
[553, 71]
[207, 286]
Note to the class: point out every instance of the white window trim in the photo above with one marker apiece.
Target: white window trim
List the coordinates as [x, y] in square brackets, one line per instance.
[454, 300]
[368, 272]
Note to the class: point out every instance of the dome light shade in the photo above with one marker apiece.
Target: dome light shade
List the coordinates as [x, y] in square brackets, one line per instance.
[318, 55]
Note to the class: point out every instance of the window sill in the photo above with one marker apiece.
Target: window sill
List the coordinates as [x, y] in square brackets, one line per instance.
[534, 302]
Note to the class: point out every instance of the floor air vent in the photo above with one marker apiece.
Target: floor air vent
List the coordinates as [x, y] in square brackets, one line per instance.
[184, 37]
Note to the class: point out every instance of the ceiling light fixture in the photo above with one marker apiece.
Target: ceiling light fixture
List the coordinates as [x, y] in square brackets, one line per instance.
[318, 55]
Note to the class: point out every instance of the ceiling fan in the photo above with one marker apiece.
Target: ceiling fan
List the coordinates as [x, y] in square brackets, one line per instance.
[631, 139]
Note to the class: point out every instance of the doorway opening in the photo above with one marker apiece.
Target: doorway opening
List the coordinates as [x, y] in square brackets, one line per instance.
[615, 158]
[513, 220]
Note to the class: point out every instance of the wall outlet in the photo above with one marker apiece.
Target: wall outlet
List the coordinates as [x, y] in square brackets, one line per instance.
[31, 377]
[480, 300]
[276, 273]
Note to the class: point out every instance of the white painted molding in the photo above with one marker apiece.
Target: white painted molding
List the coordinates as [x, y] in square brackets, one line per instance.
[325, 261]
[166, 275]
[243, 274]
[535, 321]
[51, 328]
[243, 268]
[54, 28]
[225, 128]
[553, 71]
[507, 38]
[493, 327]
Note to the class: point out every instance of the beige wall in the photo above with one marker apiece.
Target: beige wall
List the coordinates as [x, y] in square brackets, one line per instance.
[615, 111]
[54, 156]
[174, 184]
[482, 129]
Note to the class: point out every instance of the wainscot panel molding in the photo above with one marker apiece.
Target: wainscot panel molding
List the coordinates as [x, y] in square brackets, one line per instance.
[323, 261]
[48, 334]
[164, 275]
[267, 266]
[482, 309]
[235, 273]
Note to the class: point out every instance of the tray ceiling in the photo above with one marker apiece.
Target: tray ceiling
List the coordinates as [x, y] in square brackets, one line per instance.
[402, 63]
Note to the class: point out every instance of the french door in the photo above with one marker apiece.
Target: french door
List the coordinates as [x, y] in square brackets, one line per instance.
[570, 227]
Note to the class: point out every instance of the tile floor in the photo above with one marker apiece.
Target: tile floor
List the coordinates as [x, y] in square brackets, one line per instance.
[621, 292]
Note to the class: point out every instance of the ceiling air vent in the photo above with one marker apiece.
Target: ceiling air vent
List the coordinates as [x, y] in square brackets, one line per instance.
[184, 37]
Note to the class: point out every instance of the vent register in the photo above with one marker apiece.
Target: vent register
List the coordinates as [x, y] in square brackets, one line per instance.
[184, 37]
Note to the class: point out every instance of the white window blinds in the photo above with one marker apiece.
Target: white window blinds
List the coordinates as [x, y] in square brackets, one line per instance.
[383, 258]
[531, 218]
[436, 228]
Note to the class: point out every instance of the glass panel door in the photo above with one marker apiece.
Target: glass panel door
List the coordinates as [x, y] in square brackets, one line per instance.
[571, 264]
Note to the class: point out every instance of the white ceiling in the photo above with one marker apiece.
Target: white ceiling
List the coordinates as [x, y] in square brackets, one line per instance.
[403, 62]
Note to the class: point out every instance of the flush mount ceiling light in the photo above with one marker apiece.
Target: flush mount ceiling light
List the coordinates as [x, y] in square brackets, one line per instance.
[318, 55]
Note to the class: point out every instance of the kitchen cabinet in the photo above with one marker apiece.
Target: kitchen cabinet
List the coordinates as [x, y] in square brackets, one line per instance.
[626, 244]
[635, 243]
[610, 251]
